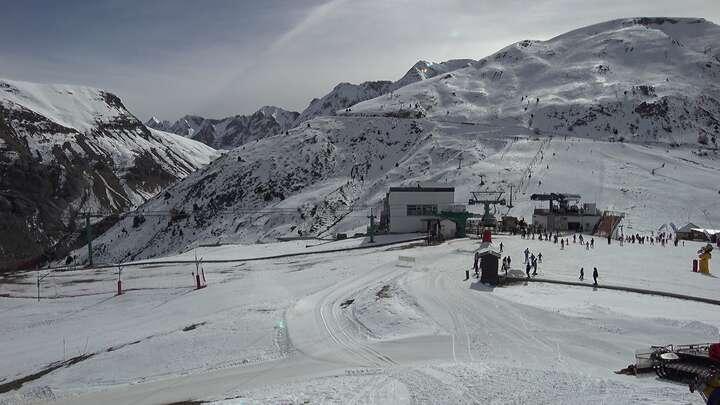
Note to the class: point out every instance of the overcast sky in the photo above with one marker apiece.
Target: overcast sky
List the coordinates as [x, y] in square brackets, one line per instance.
[222, 57]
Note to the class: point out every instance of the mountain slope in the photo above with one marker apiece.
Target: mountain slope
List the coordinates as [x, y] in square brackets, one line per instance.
[480, 127]
[66, 149]
[646, 79]
[345, 95]
[230, 132]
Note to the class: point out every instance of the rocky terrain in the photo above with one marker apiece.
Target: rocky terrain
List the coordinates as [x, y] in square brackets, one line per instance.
[70, 149]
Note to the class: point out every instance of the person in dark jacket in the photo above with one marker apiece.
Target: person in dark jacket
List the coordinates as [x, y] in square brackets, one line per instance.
[527, 269]
[595, 276]
[582, 274]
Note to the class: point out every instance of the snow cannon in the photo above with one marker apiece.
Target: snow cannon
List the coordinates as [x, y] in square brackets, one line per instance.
[704, 256]
[696, 365]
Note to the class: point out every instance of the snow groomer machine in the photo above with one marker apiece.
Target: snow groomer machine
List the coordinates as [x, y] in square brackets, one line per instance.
[696, 365]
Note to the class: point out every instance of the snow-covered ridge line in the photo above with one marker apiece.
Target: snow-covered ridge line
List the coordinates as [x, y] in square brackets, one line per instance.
[230, 132]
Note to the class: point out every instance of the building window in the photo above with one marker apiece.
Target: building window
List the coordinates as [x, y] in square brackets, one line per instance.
[429, 209]
[414, 210]
[421, 210]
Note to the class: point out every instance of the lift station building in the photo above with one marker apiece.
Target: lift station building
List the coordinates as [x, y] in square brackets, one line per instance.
[564, 213]
[418, 209]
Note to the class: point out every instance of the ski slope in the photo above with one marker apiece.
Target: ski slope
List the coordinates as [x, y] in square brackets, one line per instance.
[324, 177]
[354, 327]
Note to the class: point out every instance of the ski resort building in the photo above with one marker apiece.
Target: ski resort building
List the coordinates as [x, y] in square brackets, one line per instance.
[417, 209]
[564, 213]
[694, 232]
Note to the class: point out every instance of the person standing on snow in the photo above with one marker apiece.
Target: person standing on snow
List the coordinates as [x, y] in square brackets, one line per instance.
[527, 254]
[592, 243]
[595, 276]
[527, 270]
[534, 266]
[582, 274]
[540, 257]
[475, 265]
[587, 245]
[562, 244]
[501, 247]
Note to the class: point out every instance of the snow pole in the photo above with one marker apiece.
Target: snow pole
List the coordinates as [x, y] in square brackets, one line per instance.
[203, 276]
[119, 280]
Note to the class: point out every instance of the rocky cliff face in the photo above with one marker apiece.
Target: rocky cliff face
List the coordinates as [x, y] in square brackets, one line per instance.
[69, 149]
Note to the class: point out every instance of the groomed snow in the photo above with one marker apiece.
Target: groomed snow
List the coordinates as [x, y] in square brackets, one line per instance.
[355, 326]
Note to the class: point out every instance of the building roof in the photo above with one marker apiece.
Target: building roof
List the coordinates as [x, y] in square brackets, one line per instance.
[709, 231]
[423, 189]
[687, 228]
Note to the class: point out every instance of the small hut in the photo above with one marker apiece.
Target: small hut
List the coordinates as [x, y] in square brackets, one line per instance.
[489, 260]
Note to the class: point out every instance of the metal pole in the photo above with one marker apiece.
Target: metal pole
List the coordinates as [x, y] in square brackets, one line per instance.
[371, 231]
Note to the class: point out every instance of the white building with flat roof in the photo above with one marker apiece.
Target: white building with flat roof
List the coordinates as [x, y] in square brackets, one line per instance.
[408, 209]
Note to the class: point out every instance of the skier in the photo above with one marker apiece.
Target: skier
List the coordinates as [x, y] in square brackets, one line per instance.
[587, 245]
[582, 274]
[527, 270]
[595, 276]
[509, 261]
[534, 266]
[574, 241]
[562, 244]
[527, 254]
[592, 243]
[540, 257]
[501, 247]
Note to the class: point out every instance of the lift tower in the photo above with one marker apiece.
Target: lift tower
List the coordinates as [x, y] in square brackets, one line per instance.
[487, 199]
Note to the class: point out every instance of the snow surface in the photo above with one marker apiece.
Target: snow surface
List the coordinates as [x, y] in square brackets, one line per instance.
[355, 326]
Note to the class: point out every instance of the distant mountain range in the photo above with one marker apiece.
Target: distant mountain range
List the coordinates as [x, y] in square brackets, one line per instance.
[231, 132]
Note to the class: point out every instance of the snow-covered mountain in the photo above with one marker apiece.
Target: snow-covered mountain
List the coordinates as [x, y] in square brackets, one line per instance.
[345, 95]
[613, 112]
[67, 149]
[230, 132]
[645, 79]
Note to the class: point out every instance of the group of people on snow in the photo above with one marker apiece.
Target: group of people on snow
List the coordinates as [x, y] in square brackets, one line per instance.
[531, 262]
[662, 238]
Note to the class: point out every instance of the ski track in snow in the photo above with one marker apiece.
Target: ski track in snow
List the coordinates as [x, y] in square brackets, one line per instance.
[276, 331]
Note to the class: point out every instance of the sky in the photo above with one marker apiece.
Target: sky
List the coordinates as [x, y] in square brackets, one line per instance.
[215, 58]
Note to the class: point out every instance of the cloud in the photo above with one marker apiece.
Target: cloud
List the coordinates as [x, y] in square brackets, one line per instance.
[314, 18]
